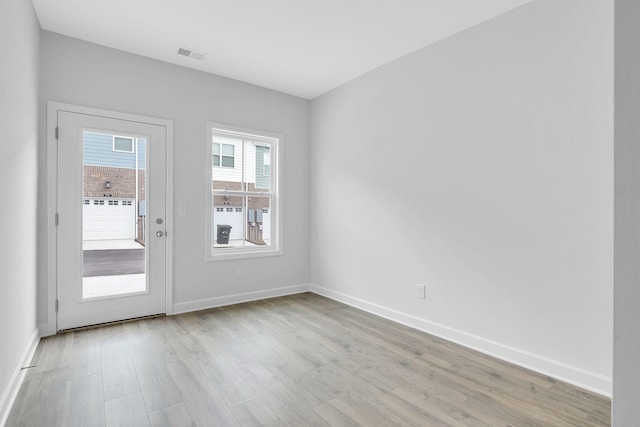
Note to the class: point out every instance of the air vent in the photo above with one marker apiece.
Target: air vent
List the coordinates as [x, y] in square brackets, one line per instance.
[191, 54]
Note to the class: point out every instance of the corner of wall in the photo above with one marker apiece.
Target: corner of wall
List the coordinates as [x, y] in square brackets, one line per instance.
[203, 304]
[11, 392]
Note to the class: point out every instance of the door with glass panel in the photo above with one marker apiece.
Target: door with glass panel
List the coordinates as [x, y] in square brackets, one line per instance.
[111, 204]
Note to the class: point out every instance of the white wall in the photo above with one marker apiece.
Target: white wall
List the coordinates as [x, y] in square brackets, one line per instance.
[626, 373]
[82, 73]
[488, 160]
[19, 40]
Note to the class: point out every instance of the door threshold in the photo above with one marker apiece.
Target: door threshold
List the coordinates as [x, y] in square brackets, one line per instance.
[115, 322]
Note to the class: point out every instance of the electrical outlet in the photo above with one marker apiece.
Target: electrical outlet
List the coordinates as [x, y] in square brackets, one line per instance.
[240, 273]
[420, 291]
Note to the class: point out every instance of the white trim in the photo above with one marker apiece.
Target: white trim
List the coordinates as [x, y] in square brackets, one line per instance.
[203, 304]
[241, 131]
[588, 380]
[11, 392]
[52, 189]
[45, 330]
[169, 217]
[50, 326]
[275, 142]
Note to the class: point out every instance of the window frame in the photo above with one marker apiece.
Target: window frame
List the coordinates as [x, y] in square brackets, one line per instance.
[275, 142]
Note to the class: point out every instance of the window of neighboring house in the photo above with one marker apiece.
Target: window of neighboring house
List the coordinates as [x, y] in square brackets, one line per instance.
[223, 155]
[248, 181]
[86, 202]
[123, 144]
[266, 163]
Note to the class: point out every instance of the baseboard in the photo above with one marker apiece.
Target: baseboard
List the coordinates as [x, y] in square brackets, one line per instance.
[559, 370]
[11, 392]
[46, 330]
[185, 307]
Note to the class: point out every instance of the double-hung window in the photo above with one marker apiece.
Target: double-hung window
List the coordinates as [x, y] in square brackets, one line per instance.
[243, 186]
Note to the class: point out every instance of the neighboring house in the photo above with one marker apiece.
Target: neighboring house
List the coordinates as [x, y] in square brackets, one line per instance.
[112, 208]
[227, 174]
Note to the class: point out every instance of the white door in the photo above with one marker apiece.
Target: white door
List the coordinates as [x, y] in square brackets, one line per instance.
[102, 280]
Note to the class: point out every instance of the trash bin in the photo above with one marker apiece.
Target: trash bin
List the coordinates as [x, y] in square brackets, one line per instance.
[223, 234]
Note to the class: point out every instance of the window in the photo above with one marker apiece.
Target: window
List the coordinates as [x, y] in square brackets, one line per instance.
[243, 177]
[98, 202]
[224, 155]
[86, 202]
[266, 163]
[113, 203]
[123, 144]
[126, 203]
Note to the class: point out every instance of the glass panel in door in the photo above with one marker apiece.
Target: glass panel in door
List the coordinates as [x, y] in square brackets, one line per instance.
[113, 214]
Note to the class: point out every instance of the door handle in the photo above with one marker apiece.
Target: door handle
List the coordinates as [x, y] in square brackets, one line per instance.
[159, 233]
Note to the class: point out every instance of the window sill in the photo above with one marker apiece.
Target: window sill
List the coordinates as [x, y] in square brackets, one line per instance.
[233, 254]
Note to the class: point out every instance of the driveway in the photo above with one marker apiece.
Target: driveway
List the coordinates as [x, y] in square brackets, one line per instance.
[111, 262]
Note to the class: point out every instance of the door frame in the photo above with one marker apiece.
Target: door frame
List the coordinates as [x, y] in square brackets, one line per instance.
[51, 326]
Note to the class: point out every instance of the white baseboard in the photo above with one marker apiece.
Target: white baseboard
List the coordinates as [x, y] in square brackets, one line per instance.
[559, 370]
[185, 307]
[46, 330]
[11, 392]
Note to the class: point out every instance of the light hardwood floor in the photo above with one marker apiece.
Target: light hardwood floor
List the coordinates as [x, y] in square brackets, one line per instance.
[292, 361]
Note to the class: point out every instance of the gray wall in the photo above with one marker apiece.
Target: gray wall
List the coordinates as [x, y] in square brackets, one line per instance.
[626, 370]
[82, 73]
[19, 41]
[481, 166]
[487, 157]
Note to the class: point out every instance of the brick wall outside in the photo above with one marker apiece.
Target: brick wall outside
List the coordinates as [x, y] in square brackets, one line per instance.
[123, 186]
[236, 201]
[122, 182]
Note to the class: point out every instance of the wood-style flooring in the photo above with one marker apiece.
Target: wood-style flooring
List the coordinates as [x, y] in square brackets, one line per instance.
[293, 361]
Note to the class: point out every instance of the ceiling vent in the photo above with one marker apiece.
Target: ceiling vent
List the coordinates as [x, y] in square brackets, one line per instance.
[191, 53]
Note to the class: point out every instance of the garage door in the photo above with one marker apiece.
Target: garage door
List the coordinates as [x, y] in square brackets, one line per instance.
[233, 216]
[229, 215]
[108, 219]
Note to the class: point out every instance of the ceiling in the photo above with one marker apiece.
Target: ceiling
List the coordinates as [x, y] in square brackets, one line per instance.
[300, 47]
